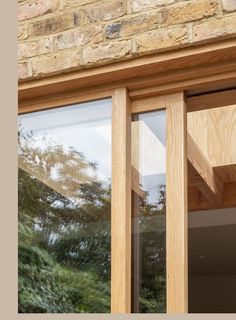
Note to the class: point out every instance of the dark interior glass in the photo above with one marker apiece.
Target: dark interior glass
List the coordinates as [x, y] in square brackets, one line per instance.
[212, 261]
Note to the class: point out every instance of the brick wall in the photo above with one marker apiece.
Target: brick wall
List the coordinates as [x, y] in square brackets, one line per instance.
[56, 36]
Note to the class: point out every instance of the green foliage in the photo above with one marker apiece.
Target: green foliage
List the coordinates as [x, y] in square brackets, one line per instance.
[45, 286]
[52, 279]
[65, 247]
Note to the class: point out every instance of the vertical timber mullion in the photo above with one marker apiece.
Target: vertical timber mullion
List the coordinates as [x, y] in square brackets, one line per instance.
[121, 203]
[177, 214]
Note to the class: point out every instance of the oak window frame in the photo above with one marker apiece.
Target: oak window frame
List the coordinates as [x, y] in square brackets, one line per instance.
[157, 82]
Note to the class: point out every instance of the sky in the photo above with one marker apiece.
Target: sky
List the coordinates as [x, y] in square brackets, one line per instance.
[87, 128]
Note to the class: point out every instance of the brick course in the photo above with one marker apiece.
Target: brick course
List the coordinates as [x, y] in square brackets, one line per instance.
[56, 36]
[189, 11]
[32, 9]
[229, 5]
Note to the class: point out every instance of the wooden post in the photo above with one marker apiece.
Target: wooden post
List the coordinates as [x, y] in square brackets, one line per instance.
[121, 204]
[177, 212]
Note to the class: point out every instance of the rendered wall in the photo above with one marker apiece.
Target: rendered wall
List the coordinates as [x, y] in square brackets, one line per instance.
[56, 36]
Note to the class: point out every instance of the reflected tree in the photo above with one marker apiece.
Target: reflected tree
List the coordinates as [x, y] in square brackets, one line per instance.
[64, 231]
[153, 253]
[64, 234]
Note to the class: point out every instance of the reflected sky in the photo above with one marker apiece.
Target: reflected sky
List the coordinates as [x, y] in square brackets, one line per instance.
[79, 126]
[64, 209]
[149, 155]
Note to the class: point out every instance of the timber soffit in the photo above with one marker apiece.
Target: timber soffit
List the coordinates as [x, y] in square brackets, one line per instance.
[160, 73]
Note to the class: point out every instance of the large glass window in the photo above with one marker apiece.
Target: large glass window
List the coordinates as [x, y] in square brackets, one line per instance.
[212, 209]
[64, 218]
[212, 261]
[149, 212]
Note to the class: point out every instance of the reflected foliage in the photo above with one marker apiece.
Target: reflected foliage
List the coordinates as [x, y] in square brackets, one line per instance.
[64, 232]
[64, 235]
[152, 224]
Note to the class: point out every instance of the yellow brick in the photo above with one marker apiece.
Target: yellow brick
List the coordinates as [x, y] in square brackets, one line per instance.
[78, 37]
[34, 48]
[189, 11]
[140, 5]
[32, 9]
[215, 29]
[161, 39]
[131, 26]
[56, 62]
[24, 71]
[22, 32]
[51, 25]
[116, 50]
[104, 10]
[229, 5]
[65, 4]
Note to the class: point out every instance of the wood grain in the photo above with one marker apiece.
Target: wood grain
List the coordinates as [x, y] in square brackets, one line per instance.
[177, 83]
[167, 72]
[177, 222]
[212, 100]
[153, 103]
[121, 204]
[227, 173]
[202, 174]
[60, 100]
[196, 200]
[229, 197]
[197, 128]
[214, 131]
[144, 65]
[221, 142]
[135, 181]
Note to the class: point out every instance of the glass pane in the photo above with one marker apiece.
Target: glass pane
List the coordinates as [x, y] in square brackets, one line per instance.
[212, 261]
[64, 245]
[212, 212]
[149, 212]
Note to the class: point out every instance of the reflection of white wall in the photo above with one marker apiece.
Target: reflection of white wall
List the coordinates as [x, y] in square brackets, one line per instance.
[156, 121]
[152, 153]
[149, 151]
[78, 114]
[85, 127]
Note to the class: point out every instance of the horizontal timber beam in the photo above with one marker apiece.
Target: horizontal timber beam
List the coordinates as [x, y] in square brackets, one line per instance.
[154, 103]
[170, 71]
[196, 200]
[199, 81]
[212, 100]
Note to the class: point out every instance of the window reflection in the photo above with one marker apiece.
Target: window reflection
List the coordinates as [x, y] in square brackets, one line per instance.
[64, 209]
[212, 261]
[149, 213]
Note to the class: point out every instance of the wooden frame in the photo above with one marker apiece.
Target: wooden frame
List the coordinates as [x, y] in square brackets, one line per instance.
[202, 174]
[140, 85]
[177, 212]
[158, 74]
[121, 204]
[176, 194]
